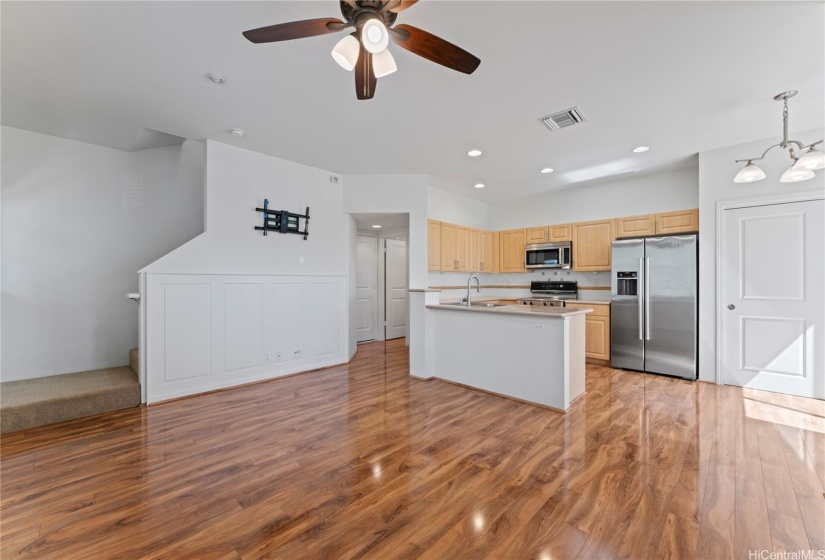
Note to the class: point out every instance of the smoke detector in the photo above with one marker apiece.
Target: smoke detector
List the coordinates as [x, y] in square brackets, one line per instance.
[563, 119]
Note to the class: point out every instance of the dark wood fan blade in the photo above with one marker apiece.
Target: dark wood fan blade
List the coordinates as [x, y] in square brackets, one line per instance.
[365, 80]
[434, 48]
[293, 30]
[402, 5]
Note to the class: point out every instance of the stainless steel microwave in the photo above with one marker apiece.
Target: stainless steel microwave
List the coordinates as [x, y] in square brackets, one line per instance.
[549, 255]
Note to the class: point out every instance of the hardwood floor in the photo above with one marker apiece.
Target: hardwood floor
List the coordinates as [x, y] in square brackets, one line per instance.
[361, 461]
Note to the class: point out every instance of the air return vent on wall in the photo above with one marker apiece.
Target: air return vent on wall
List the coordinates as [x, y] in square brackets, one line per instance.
[563, 119]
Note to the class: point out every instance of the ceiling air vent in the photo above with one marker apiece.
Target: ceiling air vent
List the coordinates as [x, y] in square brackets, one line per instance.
[563, 119]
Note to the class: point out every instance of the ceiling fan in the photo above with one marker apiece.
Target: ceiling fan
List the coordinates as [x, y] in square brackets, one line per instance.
[365, 49]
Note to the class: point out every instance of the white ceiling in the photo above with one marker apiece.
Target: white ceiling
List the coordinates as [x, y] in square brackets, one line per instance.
[681, 77]
[388, 222]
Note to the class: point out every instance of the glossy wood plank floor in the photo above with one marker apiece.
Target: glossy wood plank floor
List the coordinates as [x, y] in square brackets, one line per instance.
[361, 461]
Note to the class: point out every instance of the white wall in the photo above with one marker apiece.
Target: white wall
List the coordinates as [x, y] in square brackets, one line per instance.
[395, 194]
[78, 222]
[447, 206]
[646, 194]
[352, 295]
[717, 168]
[220, 308]
[238, 181]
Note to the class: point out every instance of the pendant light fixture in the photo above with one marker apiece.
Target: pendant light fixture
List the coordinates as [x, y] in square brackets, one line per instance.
[803, 166]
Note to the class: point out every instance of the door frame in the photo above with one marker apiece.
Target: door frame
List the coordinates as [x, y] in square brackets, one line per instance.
[721, 206]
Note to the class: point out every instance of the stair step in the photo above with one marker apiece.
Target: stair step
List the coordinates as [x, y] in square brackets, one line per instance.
[134, 361]
[57, 398]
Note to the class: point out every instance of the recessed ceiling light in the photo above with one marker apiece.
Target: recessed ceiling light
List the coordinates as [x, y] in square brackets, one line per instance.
[474, 153]
[217, 78]
[547, 170]
[641, 149]
[238, 132]
[377, 226]
[479, 185]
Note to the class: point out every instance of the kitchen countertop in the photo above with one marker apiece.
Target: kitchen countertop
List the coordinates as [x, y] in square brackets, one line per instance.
[590, 302]
[557, 312]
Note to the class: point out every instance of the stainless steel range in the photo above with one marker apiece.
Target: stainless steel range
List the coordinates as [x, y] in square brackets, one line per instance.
[551, 294]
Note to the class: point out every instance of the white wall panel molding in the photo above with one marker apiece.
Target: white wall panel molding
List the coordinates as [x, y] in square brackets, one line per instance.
[211, 331]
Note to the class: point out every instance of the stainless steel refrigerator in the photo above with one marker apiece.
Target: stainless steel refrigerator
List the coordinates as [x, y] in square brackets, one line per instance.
[653, 308]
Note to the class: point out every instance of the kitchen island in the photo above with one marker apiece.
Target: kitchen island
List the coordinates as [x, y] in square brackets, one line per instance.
[515, 351]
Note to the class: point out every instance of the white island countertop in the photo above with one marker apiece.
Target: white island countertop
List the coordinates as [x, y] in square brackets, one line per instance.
[558, 312]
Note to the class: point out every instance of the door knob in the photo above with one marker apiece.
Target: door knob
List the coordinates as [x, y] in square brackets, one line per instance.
[731, 306]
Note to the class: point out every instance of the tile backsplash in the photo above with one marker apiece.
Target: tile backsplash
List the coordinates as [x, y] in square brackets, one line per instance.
[520, 282]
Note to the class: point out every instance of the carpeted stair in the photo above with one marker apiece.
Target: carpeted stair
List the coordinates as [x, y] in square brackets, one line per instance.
[48, 400]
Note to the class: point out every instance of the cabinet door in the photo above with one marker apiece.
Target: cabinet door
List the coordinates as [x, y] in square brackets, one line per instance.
[474, 250]
[596, 330]
[634, 226]
[462, 247]
[683, 221]
[563, 232]
[537, 235]
[511, 254]
[489, 251]
[448, 254]
[592, 245]
[433, 245]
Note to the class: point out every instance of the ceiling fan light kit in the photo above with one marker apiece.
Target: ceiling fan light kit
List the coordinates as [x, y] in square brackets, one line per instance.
[802, 167]
[364, 51]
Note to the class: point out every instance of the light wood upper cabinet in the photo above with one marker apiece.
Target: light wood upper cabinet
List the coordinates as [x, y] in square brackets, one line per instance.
[563, 232]
[511, 250]
[596, 331]
[433, 245]
[449, 260]
[683, 221]
[634, 226]
[488, 251]
[462, 247]
[473, 250]
[592, 245]
[537, 235]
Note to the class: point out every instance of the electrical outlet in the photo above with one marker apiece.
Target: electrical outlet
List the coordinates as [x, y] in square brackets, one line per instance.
[297, 353]
[538, 327]
[277, 356]
[267, 357]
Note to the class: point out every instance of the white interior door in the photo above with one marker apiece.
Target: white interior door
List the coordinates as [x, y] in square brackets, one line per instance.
[366, 290]
[396, 288]
[771, 298]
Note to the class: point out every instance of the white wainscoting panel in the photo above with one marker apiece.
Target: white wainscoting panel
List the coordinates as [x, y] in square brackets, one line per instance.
[244, 326]
[187, 327]
[327, 318]
[206, 332]
[289, 321]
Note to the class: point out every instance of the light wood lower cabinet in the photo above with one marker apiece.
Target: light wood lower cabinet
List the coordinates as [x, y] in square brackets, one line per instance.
[511, 253]
[593, 245]
[596, 331]
[433, 245]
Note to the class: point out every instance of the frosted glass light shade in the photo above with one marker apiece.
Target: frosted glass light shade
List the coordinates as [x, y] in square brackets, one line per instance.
[813, 159]
[748, 174]
[345, 52]
[794, 174]
[375, 36]
[383, 64]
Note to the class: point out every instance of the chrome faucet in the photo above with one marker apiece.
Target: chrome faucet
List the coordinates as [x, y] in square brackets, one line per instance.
[478, 288]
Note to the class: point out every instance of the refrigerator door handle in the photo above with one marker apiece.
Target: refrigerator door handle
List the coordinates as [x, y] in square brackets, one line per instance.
[647, 299]
[641, 299]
